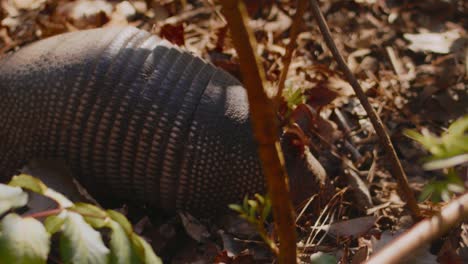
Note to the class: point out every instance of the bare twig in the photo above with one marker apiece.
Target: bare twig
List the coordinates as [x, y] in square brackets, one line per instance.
[397, 67]
[295, 28]
[424, 232]
[265, 127]
[397, 169]
[184, 16]
[44, 213]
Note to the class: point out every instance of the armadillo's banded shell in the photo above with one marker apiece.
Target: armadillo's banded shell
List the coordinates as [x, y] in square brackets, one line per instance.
[134, 117]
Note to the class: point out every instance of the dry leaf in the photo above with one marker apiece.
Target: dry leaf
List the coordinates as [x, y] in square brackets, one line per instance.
[194, 228]
[350, 228]
[421, 256]
[28, 4]
[433, 42]
[173, 33]
[87, 14]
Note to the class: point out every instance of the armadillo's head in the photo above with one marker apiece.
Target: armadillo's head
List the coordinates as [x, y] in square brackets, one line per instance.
[224, 164]
[305, 173]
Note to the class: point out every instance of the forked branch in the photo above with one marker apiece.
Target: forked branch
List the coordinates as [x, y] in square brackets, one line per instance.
[265, 127]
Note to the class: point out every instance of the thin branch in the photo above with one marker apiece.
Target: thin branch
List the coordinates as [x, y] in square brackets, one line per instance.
[424, 232]
[397, 169]
[265, 127]
[260, 226]
[295, 29]
[45, 213]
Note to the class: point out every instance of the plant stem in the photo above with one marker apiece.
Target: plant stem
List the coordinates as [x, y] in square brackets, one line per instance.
[424, 232]
[265, 128]
[45, 213]
[264, 234]
[397, 169]
[295, 29]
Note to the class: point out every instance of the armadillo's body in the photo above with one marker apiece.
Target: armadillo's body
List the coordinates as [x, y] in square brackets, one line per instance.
[133, 116]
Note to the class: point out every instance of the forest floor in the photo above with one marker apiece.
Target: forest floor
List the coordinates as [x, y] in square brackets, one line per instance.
[411, 58]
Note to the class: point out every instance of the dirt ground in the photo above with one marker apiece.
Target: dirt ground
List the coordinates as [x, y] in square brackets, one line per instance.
[411, 58]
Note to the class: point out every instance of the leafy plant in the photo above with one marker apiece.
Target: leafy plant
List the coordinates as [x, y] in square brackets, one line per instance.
[323, 258]
[443, 189]
[24, 239]
[293, 97]
[256, 212]
[447, 151]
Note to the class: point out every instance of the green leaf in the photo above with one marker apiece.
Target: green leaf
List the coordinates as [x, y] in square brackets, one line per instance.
[149, 256]
[323, 258]
[448, 150]
[121, 246]
[122, 235]
[446, 163]
[429, 141]
[266, 209]
[459, 127]
[130, 249]
[54, 223]
[23, 240]
[236, 208]
[59, 198]
[11, 197]
[93, 215]
[245, 204]
[33, 184]
[443, 189]
[79, 243]
[427, 192]
[293, 97]
[253, 208]
[121, 219]
[28, 182]
[138, 246]
[260, 198]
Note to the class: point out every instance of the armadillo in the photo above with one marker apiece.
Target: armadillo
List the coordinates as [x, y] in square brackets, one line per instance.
[133, 116]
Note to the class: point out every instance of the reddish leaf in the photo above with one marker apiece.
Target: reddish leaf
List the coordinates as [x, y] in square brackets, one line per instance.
[221, 37]
[173, 33]
[222, 258]
[321, 95]
[225, 62]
